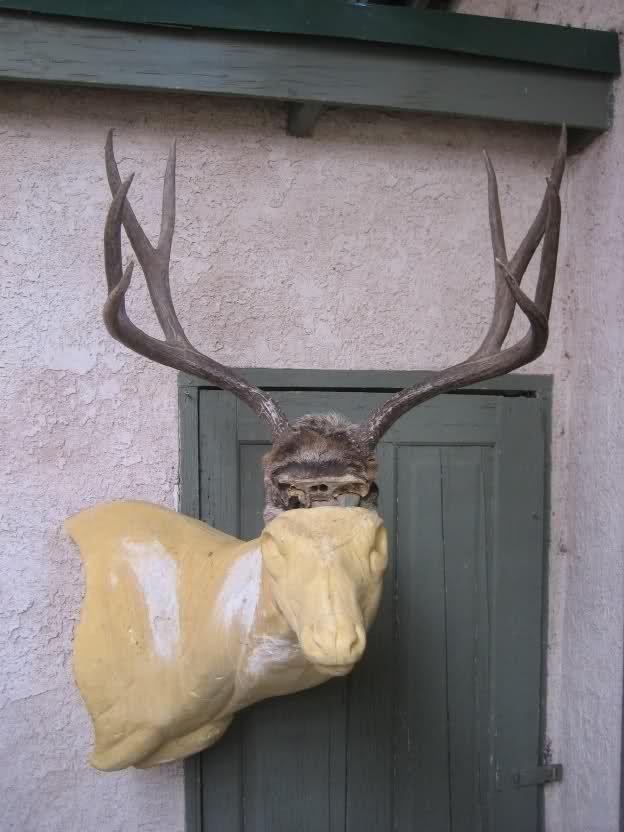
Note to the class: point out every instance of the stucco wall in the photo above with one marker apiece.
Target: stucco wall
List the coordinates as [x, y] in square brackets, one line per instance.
[587, 549]
[360, 248]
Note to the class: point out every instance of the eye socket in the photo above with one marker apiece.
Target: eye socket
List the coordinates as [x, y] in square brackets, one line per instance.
[378, 556]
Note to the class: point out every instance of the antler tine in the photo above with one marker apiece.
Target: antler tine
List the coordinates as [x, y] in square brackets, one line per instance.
[154, 261]
[175, 351]
[167, 225]
[537, 311]
[490, 360]
[529, 244]
[135, 233]
[504, 304]
[115, 317]
[112, 237]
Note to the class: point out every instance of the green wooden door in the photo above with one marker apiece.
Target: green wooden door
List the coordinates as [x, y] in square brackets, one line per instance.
[426, 733]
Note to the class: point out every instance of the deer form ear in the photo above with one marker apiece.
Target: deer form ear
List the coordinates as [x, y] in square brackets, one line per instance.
[273, 558]
[379, 553]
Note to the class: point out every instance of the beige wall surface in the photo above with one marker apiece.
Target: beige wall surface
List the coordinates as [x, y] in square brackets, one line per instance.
[363, 247]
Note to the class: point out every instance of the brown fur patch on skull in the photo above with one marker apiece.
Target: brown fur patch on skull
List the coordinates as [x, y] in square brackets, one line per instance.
[316, 446]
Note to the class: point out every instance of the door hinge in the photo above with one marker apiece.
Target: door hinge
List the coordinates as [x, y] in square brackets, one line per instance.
[537, 776]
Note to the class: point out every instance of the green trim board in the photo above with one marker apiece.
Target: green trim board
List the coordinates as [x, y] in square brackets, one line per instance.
[319, 70]
[536, 43]
[513, 384]
[474, 466]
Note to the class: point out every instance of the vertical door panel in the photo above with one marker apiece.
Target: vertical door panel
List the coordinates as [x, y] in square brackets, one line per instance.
[467, 626]
[371, 691]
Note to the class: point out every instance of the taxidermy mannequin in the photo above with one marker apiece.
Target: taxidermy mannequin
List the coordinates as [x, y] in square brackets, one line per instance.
[184, 625]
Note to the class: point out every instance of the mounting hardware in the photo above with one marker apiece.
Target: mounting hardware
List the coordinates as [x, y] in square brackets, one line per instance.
[537, 776]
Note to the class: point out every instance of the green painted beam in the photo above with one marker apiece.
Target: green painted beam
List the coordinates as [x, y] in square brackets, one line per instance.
[316, 70]
[511, 40]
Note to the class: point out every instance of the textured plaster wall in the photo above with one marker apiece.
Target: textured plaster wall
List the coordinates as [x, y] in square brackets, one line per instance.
[587, 548]
[365, 247]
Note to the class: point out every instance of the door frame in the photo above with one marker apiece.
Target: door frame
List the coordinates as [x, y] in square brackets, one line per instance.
[527, 385]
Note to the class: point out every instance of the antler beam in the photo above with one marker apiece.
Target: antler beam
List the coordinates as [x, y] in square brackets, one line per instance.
[490, 360]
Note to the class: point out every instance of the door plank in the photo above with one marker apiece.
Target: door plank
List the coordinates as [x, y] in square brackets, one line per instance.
[466, 598]
[517, 598]
[221, 766]
[287, 745]
[218, 469]
[370, 761]
[421, 726]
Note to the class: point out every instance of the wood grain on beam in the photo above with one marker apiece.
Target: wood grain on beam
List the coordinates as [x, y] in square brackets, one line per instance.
[516, 40]
[323, 71]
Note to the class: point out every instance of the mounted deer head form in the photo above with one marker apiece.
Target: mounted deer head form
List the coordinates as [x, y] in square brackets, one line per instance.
[183, 626]
[323, 459]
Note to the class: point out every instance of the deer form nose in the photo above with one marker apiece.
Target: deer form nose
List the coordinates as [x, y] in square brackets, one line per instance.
[342, 645]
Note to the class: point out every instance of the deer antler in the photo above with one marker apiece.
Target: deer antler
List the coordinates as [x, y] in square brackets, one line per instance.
[321, 458]
[490, 360]
[175, 351]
